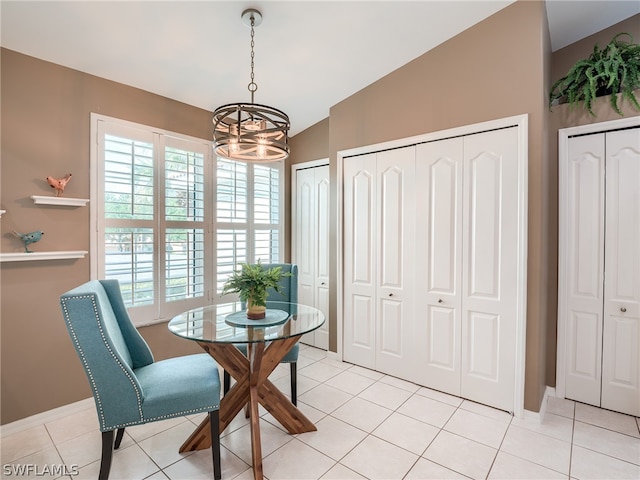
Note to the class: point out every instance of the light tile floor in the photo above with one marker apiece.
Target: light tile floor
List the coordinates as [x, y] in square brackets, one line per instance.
[369, 426]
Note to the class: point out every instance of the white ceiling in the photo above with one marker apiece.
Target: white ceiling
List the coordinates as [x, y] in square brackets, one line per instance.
[309, 55]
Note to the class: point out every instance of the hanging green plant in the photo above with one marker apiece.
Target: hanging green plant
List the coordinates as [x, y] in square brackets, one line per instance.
[613, 70]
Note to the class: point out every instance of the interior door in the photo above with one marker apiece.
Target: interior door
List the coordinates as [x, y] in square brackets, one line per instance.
[321, 267]
[360, 246]
[396, 233]
[621, 330]
[584, 266]
[312, 246]
[490, 275]
[305, 235]
[438, 263]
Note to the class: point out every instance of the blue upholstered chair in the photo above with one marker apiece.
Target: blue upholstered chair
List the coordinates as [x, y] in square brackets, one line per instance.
[289, 293]
[128, 386]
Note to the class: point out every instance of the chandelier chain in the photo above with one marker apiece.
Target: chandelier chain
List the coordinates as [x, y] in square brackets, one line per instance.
[252, 85]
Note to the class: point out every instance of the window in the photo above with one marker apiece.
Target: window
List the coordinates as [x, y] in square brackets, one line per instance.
[171, 223]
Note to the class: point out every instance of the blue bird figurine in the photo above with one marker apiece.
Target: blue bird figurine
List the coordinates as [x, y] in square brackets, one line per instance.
[29, 238]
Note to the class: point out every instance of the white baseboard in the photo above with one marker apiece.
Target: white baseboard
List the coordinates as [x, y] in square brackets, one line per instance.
[333, 356]
[538, 417]
[45, 417]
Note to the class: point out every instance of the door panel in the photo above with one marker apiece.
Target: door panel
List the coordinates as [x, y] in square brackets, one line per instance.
[621, 331]
[360, 225]
[489, 272]
[396, 233]
[321, 178]
[483, 346]
[584, 266]
[392, 324]
[438, 263]
[305, 235]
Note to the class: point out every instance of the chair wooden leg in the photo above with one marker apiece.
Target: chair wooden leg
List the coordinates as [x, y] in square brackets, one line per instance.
[119, 436]
[227, 382]
[107, 452]
[294, 383]
[214, 422]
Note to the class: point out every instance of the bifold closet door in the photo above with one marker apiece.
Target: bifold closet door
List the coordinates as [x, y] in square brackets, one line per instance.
[621, 330]
[439, 263]
[466, 276]
[489, 267]
[312, 245]
[321, 335]
[396, 207]
[583, 260]
[600, 269]
[379, 239]
[305, 234]
[360, 254]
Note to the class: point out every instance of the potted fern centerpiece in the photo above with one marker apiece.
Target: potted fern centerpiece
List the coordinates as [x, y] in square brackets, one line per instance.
[252, 283]
[612, 70]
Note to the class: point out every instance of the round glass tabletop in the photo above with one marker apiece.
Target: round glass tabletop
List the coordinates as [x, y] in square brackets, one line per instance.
[220, 323]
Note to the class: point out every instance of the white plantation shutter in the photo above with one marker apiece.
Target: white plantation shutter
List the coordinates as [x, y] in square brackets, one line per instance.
[185, 265]
[266, 208]
[128, 211]
[172, 222]
[248, 206]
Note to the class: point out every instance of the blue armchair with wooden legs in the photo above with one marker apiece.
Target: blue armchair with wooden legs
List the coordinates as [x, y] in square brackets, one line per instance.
[288, 293]
[129, 387]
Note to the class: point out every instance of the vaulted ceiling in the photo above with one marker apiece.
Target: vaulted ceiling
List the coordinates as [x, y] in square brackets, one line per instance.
[309, 55]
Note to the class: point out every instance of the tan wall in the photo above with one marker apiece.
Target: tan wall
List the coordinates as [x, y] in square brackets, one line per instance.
[434, 93]
[495, 69]
[45, 115]
[311, 144]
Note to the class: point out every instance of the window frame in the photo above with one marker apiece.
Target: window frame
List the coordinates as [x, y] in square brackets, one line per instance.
[161, 310]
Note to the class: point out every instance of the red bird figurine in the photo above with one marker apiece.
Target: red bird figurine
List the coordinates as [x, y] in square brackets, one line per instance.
[59, 183]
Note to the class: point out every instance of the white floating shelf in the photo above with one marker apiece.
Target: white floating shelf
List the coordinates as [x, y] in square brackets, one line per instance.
[64, 201]
[24, 256]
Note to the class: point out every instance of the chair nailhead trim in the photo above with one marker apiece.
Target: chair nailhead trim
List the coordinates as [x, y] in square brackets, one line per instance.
[84, 361]
[103, 426]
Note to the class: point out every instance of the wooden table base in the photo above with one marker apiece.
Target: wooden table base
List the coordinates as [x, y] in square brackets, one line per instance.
[252, 387]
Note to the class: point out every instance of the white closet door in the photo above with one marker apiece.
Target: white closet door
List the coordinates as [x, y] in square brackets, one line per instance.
[321, 179]
[489, 278]
[312, 245]
[438, 263]
[396, 229]
[584, 250]
[360, 230]
[305, 235]
[621, 335]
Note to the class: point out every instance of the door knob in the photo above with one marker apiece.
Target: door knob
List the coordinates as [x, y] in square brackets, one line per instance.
[623, 309]
[440, 300]
[391, 294]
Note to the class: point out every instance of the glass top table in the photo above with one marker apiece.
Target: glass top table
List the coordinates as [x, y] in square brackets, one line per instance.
[218, 329]
[223, 323]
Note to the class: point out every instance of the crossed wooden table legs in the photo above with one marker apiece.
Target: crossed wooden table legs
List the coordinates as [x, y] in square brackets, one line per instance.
[252, 387]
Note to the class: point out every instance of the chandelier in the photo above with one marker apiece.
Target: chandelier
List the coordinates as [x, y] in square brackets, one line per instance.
[249, 131]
